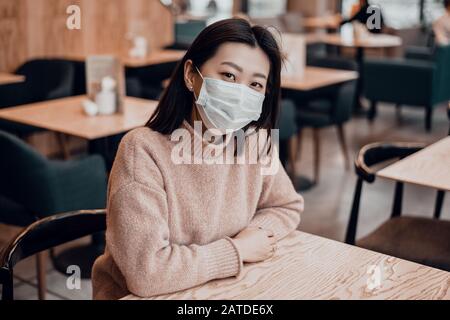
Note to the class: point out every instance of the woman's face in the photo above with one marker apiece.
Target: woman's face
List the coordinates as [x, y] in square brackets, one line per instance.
[233, 62]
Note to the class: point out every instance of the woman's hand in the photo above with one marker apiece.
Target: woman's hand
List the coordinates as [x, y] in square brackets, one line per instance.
[255, 244]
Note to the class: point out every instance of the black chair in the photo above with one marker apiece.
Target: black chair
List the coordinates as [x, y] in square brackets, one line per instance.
[331, 106]
[422, 240]
[45, 79]
[146, 82]
[33, 187]
[448, 115]
[46, 234]
[425, 51]
[288, 130]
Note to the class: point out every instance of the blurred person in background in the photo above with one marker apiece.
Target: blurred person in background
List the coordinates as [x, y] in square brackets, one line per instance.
[441, 26]
[362, 15]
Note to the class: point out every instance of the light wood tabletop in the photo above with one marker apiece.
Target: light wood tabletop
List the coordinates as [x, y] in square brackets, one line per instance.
[310, 267]
[322, 22]
[315, 78]
[429, 167]
[67, 116]
[155, 57]
[372, 41]
[9, 78]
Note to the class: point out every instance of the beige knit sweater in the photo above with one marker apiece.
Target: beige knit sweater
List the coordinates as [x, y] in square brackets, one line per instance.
[169, 226]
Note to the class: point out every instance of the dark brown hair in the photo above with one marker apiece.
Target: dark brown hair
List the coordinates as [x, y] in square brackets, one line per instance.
[177, 101]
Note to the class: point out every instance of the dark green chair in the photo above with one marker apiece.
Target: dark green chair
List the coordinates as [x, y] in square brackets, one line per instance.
[448, 116]
[409, 82]
[288, 129]
[33, 187]
[419, 53]
[331, 106]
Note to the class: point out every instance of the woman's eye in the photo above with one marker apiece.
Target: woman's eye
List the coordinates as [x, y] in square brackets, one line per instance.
[257, 85]
[229, 76]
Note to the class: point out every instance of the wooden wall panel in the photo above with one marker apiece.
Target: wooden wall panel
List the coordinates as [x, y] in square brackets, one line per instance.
[47, 32]
[37, 28]
[140, 21]
[104, 26]
[13, 33]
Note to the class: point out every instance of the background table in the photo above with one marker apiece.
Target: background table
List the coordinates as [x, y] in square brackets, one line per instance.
[315, 78]
[8, 78]
[429, 167]
[153, 58]
[372, 41]
[310, 267]
[67, 116]
[331, 22]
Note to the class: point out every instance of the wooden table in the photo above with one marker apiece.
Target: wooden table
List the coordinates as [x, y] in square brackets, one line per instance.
[325, 22]
[155, 57]
[315, 78]
[310, 267]
[9, 78]
[429, 167]
[67, 116]
[372, 41]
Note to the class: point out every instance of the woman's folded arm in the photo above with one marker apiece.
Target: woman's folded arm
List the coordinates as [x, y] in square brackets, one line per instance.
[139, 241]
[279, 206]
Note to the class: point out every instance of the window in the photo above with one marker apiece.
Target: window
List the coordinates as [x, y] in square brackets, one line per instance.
[212, 9]
[266, 8]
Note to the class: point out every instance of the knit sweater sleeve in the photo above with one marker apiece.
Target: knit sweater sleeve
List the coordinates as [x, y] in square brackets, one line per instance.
[139, 240]
[279, 206]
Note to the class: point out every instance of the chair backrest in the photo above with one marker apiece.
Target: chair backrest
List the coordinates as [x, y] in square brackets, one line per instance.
[286, 121]
[367, 157]
[45, 234]
[333, 62]
[448, 116]
[376, 153]
[48, 78]
[344, 96]
[20, 168]
[441, 88]
[186, 32]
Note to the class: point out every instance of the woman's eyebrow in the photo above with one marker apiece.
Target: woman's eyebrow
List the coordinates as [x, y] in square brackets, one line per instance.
[259, 75]
[233, 65]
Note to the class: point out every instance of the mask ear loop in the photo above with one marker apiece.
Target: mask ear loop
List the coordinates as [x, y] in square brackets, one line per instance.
[199, 73]
[201, 76]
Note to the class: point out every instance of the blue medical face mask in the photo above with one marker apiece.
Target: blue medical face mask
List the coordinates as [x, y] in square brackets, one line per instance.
[228, 106]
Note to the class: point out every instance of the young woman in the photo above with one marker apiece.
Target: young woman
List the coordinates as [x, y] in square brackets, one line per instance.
[174, 226]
